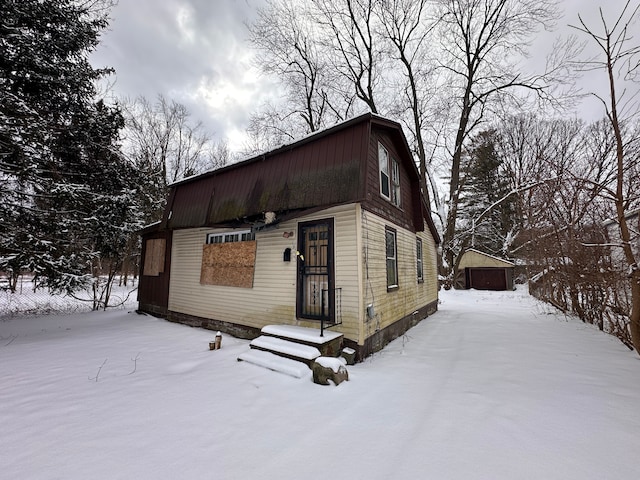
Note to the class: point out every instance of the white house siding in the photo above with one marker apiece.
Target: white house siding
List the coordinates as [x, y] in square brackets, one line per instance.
[390, 306]
[273, 296]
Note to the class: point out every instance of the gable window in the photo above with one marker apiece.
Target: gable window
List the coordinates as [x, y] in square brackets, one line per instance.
[240, 236]
[419, 260]
[392, 258]
[389, 176]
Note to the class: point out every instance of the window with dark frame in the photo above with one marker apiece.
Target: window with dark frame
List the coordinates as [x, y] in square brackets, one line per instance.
[419, 260]
[395, 182]
[389, 176]
[383, 161]
[392, 260]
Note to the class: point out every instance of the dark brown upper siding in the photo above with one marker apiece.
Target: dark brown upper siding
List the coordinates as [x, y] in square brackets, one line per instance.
[410, 213]
[336, 166]
[326, 171]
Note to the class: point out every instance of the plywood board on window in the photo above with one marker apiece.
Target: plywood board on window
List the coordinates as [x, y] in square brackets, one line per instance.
[228, 264]
[154, 257]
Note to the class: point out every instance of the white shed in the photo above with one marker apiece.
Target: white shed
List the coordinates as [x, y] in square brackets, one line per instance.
[483, 271]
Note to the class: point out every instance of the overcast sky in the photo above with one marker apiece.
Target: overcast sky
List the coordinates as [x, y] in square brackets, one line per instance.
[195, 52]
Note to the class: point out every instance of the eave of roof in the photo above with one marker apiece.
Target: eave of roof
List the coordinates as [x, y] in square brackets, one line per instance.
[489, 255]
[392, 126]
[289, 146]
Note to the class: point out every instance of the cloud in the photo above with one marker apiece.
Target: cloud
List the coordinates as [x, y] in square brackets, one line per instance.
[196, 52]
[192, 51]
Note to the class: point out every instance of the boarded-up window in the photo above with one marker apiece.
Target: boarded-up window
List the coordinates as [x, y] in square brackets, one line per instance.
[228, 264]
[154, 257]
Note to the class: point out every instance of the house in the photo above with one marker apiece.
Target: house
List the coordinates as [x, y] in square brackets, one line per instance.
[330, 231]
[482, 271]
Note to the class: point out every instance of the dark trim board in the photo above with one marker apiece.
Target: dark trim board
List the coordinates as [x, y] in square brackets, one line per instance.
[155, 310]
[238, 331]
[380, 339]
[372, 344]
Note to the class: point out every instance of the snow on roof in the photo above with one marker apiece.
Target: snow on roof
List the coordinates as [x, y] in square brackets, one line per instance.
[153, 224]
[489, 255]
[612, 221]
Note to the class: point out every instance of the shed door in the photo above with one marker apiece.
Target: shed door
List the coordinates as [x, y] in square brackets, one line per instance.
[488, 278]
[315, 289]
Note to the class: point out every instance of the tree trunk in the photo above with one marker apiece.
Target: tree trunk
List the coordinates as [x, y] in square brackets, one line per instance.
[634, 319]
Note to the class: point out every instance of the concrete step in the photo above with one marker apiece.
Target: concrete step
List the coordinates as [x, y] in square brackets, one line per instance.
[286, 348]
[329, 344]
[276, 363]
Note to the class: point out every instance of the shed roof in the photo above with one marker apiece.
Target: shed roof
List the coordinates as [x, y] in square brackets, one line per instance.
[475, 258]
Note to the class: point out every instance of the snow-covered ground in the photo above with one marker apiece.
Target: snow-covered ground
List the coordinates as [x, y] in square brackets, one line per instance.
[26, 301]
[493, 386]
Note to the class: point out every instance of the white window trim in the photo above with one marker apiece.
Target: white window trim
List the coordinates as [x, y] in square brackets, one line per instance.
[383, 163]
[419, 260]
[394, 257]
[394, 186]
[225, 237]
[389, 167]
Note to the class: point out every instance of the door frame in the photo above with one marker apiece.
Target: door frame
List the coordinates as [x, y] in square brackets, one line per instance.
[331, 314]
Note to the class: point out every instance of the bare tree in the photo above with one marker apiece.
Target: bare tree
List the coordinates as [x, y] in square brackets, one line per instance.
[483, 41]
[350, 37]
[166, 144]
[288, 49]
[163, 135]
[408, 26]
[337, 58]
[619, 60]
[385, 57]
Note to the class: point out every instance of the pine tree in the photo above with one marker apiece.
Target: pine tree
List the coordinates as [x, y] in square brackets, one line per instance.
[65, 189]
[487, 217]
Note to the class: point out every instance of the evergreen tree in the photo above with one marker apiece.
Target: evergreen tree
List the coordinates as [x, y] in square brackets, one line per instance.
[488, 216]
[65, 189]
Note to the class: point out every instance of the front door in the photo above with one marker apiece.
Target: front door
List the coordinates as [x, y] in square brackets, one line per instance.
[315, 290]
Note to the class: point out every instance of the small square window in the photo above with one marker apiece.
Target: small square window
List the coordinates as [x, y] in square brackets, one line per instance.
[213, 238]
[241, 236]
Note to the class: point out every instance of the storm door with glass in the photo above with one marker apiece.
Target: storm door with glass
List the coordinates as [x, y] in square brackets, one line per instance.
[315, 289]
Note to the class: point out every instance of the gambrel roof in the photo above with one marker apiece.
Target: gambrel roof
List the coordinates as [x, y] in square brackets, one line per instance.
[323, 169]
